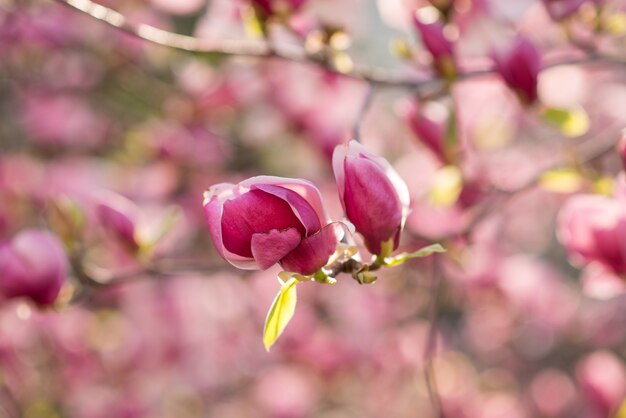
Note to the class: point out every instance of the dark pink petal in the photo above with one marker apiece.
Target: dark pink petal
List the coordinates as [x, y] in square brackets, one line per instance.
[313, 252]
[270, 247]
[519, 67]
[303, 210]
[304, 188]
[371, 202]
[118, 215]
[252, 212]
[33, 265]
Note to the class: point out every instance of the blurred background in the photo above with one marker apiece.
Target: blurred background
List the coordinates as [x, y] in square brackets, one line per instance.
[108, 141]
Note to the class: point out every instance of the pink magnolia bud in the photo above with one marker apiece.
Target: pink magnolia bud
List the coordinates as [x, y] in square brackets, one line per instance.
[33, 265]
[602, 377]
[431, 30]
[267, 220]
[374, 197]
[118, 216]
[519, 66]
[593, 228]
[428, 123]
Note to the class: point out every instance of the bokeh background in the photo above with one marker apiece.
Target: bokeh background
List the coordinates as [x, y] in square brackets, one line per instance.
[88, 111]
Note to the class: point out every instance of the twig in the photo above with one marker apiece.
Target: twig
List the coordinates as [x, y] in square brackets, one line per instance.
[367, 101]
[261, 49]
[431, 341]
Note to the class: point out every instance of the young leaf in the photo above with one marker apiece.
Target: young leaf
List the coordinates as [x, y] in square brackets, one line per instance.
[423, 252]
[280, 312]
[572, 122]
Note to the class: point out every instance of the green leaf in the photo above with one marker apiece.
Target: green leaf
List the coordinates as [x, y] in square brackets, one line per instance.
[572, 122]
[423, 252]
[280, 312]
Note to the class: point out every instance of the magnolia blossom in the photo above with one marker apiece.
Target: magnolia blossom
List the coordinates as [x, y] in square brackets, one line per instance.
[118, 216]
[374, 197]
[428, 122]
[431, 30]
[593, 228]
[519, 67]
[33, 265]
[267, 220]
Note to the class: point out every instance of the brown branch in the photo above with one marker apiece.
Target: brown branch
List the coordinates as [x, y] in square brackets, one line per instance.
[261, 49]
[365, 105]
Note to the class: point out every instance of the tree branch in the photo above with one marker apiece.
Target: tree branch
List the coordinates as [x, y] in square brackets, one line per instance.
[261, 49]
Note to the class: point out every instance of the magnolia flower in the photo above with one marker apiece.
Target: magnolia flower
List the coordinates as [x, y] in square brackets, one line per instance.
[33, 265]
[267, 220]
[519, 67]
[118, 216]
[431, 30]
[593, 228]
[374, 197]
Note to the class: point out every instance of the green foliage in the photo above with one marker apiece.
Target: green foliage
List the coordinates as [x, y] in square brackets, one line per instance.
[280, 312]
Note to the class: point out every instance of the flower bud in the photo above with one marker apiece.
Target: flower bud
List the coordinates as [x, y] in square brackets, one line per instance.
[118, 216]
[374, 197]
[519, 67]
[33, 265]
[602, 378]
[267, 220]
[428, 123]
[431, 29]
[593, 228]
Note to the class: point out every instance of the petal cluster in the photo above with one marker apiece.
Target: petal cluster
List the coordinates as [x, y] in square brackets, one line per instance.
[267, 220]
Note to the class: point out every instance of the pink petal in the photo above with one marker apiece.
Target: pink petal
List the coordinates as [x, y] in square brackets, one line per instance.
[252, 212]
[301, 208]
[269, 248]
[304, 188]
[371, 202]
[313, 252]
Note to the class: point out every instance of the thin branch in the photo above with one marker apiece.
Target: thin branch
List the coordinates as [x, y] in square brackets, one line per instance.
[261, 49]
[431, 341]
[367, 101]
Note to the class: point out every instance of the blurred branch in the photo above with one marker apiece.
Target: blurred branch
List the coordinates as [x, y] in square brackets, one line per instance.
[367, 101]
[95, 276]
[261, 49]
[431, 341]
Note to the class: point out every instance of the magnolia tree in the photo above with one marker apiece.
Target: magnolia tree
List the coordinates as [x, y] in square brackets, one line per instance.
[440, 184]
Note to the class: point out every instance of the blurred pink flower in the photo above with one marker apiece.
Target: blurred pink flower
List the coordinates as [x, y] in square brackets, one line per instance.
[267, 220]
[593, 228]
[519, 67]
[374, 197]
[602, 377]
[62, 120]
[428, 122]
[34, 265]
[433, 37]
[118, 216]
